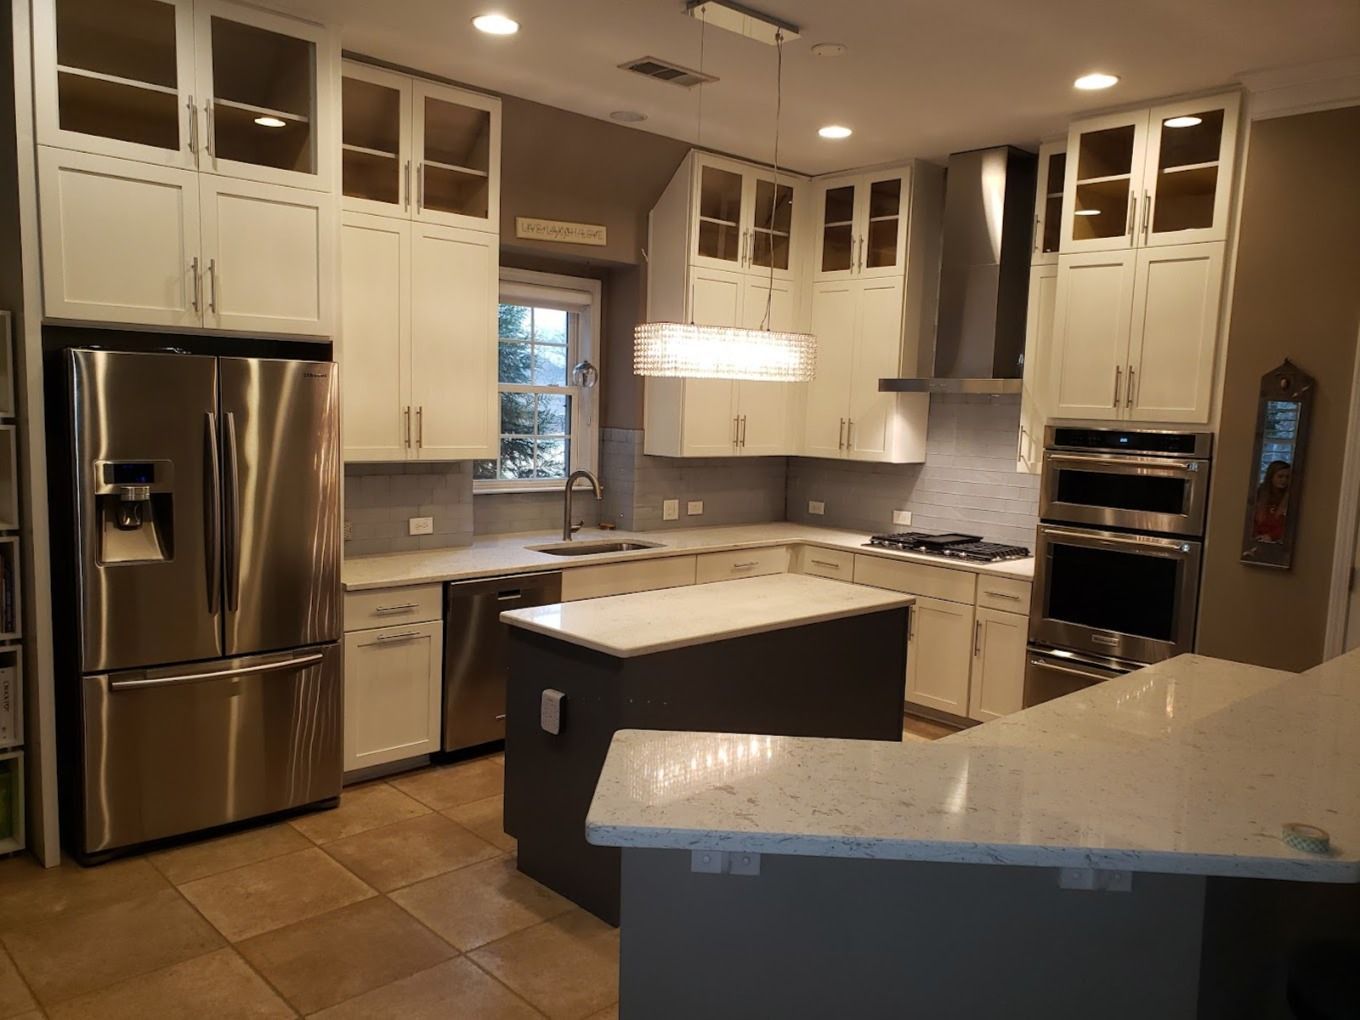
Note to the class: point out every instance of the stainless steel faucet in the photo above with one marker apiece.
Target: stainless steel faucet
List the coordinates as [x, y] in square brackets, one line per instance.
[567, 528]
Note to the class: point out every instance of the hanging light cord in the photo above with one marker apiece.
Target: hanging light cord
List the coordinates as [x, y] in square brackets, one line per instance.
[699, 127]
[774, 198]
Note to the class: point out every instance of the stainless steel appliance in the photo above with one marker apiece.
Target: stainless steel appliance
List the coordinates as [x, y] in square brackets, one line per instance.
[951, 546]
[206, 555]
[476, 648]
[1117, 557]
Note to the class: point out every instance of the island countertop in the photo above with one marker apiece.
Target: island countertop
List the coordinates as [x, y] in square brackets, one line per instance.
[1190, 766]
[656, 621]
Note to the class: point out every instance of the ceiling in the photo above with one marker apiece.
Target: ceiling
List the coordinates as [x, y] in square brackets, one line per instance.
[921, 78]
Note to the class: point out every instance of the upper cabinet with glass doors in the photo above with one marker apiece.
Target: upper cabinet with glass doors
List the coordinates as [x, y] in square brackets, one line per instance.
[862, 224]
[1150, 177]
[745, 219]
[197, 84]
[1048, 203]
[417, 149]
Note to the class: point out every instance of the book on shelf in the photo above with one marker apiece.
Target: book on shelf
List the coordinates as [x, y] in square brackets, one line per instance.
[9, 706]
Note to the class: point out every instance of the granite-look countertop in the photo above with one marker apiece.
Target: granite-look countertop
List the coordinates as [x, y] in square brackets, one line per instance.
[1190, 766]
[497, 555]
[646, 622]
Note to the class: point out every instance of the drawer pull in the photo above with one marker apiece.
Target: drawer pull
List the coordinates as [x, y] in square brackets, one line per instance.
[746, 565]
[405, 607]
[1001, 595]
[406, 635]
[825, 563]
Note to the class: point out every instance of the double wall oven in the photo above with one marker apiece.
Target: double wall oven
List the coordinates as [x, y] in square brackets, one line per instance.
[1117, 554]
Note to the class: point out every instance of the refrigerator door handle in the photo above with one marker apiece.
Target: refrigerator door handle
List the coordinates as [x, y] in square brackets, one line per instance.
[232, 512]
[212, 513]
[301, 662]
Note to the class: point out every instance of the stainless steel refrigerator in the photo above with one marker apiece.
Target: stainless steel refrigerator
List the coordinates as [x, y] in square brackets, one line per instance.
[207, 554]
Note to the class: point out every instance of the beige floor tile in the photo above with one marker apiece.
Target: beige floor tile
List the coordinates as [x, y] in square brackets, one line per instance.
[81, 951]
[406, 852]
[218, 985]
[328, 959]
[456, 990]
[214, 856]
[567, 967]
[261, 897]
[485, 818]
[30, 892]
[454, 784]
[14, 994]
[473, 906]
[361, 808]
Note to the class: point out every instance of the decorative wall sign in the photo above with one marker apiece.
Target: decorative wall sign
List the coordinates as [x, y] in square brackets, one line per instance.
[1282, 414]
[561, 231]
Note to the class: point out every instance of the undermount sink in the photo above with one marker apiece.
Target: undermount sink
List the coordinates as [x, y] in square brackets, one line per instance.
[592, 548]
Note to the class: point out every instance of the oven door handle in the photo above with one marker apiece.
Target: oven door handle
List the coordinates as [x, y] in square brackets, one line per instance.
[1056, 668]
[1153, 546]
[1116, 461]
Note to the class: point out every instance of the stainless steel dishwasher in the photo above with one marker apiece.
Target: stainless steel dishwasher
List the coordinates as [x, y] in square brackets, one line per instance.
[475, 652]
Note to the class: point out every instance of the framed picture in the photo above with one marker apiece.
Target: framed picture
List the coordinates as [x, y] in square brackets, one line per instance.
[1282, 413]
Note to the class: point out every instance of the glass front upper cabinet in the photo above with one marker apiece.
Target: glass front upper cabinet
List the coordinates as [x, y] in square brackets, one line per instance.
[1104, 177]
[1048, 203]
[457, 147]
[1188, 180]
[375, 169]
[720, 235]
[862, 226]
[771, 226]
[881, 238]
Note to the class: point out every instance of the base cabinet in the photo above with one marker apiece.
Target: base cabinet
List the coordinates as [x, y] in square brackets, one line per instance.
[940, 655]
[998, 683]
[393, 691]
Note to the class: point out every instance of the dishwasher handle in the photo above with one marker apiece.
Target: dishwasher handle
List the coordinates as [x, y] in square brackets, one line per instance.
[544, 588]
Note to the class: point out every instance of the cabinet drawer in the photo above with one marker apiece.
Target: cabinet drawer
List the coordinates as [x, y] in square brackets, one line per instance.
[834, 563]
[727, 566]
[1003, 593]
[621, 578]
[915, 578]
[393, 693]
[387, 607]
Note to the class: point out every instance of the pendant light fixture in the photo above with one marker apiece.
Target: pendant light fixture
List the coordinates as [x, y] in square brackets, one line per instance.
[690, 351]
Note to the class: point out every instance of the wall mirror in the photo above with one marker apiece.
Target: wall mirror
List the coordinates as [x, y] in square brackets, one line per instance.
[1282, 412]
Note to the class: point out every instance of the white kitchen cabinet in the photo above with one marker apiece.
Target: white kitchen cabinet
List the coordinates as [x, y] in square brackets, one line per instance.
[375, 140]
[393, 693]
[1036, 395]
[741, 218]
[1092, 320]
[739, 563]
[998, 670]
[1048, 200]
[940, 655]
[862, 224]
[835, 309]
[603, 579]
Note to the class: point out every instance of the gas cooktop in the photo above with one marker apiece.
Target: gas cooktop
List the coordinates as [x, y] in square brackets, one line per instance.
[950, 546]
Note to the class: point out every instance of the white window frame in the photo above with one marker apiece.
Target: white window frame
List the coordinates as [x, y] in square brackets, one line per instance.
[582, 295]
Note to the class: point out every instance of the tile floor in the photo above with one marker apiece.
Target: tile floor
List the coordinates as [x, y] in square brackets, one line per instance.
[402, 902]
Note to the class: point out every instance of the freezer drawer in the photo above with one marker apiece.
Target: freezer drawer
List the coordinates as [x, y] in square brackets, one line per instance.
[171, 751]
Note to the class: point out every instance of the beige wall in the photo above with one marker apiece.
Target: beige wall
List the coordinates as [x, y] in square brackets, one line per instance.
[1296, 295]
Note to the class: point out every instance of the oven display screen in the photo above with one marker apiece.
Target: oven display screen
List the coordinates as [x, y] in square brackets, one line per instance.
[1115, 591]
[1122, 492]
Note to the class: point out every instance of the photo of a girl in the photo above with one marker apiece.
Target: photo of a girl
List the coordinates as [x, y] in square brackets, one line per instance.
[1272, 503]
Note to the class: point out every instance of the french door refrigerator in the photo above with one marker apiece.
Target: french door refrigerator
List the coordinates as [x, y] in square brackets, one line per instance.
[207, 554]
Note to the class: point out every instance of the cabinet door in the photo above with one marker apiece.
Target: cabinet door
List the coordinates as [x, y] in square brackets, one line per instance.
[267, 85]
[1091, 333]
[764, 408]
[881, 249]
[1174, 328]
[116, 78]
[375, 334]
[270, 256]
[998, 684]
[455, 285]
[1036, 397]
[878, 354]
[1188, 181]
[1102, 192]
[773, 242]
[709, 405]
[120, 240]
[457, 137]
[393, 689]
[720, 227]
[837, 228]
[940, 655]
[1048, 200]
[375, 134]
[834, 306]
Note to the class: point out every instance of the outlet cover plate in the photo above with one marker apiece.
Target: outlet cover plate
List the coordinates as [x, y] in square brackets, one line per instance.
[694, 508]
[349, 530]
[420, 525]
[670, 510]
[902, 517]
[816, 507]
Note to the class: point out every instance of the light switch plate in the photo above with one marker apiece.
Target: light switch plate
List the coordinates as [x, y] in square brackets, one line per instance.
[694, 508]
[670, 510]
[420, 525]
[817, 507]
[902, 517]
[349, 530]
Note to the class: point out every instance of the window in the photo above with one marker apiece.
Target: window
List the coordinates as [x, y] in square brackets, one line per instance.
[547, 326]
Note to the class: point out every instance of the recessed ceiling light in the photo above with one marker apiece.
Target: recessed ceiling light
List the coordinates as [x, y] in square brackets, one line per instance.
[271, 122]
[628, 116]
[495, 24]
[1187, 121]
[1097, 80]
[1085, 212]
[835, 131]
[829, 49]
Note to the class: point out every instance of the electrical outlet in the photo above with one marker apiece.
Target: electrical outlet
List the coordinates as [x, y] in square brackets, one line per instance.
[349, 530]
[670, 509]
[817, 507]
[420, 525]
[902, 517]
[694, 508]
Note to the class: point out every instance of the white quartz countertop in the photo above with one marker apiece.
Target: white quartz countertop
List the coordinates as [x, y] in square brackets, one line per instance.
[657, 621]
[496, 555]
[1189, 766]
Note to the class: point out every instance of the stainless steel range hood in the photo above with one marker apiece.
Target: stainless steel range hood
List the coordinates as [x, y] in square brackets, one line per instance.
[984, 276]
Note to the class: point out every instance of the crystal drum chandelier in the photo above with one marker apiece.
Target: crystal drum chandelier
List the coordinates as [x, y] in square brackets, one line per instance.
[677, 350]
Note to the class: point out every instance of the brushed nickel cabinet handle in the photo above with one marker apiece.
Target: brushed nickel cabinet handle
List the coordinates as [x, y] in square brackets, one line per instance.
[1002, 595]
[406, 635]
[1128, 390]
[198, 286]
[1147, 213]
[404, 607]
[840, 436]
[1038, 232]
[849, 433]
[420, 426]
[208, 146]
[736, 430]
[408, 426]
[825, 563]
[212, 286]
[977, 637]
[1117, 370]
[406, 186]
[861, 253]
[193, 127]
[420, 186]
[745, 565]
[1133, 213]
[743, 431]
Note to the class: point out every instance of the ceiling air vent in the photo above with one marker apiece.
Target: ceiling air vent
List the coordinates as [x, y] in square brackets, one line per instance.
[662, 70]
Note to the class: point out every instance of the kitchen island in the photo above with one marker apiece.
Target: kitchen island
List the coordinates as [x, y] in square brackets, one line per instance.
[782, 655]
[1114, 853]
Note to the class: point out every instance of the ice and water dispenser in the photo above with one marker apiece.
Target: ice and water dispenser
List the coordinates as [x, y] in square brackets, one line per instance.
[135, 504]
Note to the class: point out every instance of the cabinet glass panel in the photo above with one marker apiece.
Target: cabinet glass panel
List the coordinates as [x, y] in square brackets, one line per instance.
[838, 228]
[719, 214]
[456, 161]
[773, 221]
[264, 97]
[1187, 171]
[1053, 193]
[885, 210]
[371, 137]
[1104, 171]
[117, 70]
